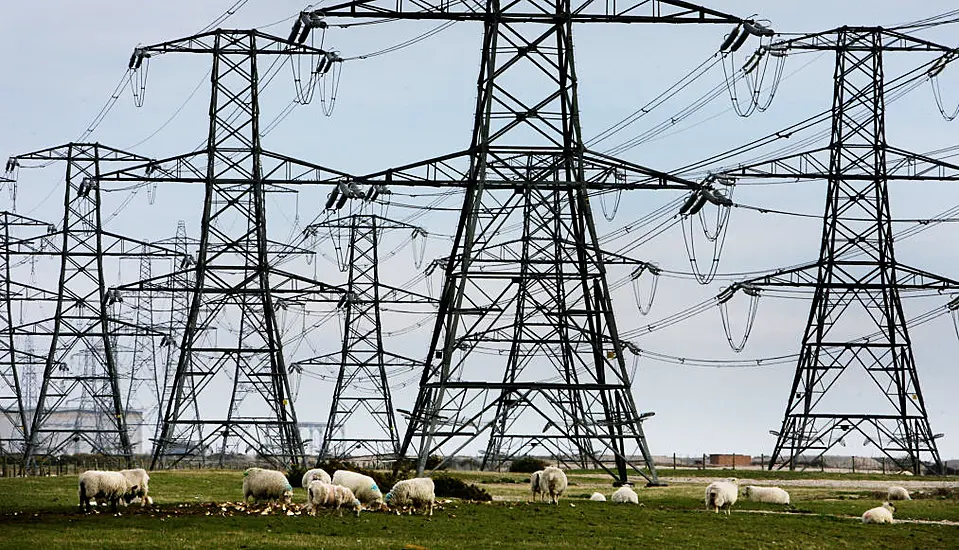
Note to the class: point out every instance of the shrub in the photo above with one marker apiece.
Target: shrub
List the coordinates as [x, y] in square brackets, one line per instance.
[527, 465]
[294, 474]
[447, 486]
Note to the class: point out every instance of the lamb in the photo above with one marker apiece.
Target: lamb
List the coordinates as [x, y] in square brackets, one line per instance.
[140, 479]
[598, 497]
[625, 495]
[534, 485]
[266, 485]
[773, 495]
[316, 473]
[364, 487]
[414, 492]
[722, 494]
[879, 514]
[102, 487]
[897, 493]
[320, 494]
[552, 482]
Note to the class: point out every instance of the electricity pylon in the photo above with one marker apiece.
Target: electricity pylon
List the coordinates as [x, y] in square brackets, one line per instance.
[231, 334]
[362, 417]
[552, 376]
[83, 320]
[857, 279]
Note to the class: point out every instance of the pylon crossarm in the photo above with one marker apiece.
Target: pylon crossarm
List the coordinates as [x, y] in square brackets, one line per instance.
[908, 278]
[507, 167]
[192, 168]
[78, 152]
[206, 43]
[532, 11]
[814, 165]
[829, 40]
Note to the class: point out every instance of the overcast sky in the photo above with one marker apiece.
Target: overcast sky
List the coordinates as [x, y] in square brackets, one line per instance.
[62, 60]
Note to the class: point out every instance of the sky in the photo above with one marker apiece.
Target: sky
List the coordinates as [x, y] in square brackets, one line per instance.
[62, 60]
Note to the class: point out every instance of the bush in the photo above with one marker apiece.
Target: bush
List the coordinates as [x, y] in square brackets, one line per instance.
[294, 474]
[527, 465]
[447, 486]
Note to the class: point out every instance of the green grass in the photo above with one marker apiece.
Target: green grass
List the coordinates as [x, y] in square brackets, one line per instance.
[42, 512]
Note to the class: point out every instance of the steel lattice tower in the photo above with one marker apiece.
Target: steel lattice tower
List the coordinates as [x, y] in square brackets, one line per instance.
[362, 391]
[553, 378]
[83, 321]
[16, 362]
[857, 279]
[231, 329]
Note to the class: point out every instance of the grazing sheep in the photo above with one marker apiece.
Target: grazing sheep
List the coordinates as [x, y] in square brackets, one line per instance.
[320, 494]
[552, 482]
[898, 493]
[140, 480]
[266, 485]
[773, 495]
[722, 494]
[879, 514]
[102, 487]
[414, 492]
[625, 495]
[598, 497]
[534, 485]
[364, 487]
[317, 474]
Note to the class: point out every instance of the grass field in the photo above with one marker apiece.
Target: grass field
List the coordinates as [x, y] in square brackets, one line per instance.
[42, 513]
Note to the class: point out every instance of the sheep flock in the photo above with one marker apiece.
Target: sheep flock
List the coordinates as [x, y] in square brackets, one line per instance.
[354, 492]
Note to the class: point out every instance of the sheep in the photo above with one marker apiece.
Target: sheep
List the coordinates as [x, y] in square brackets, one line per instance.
[364, 487]
[534, 485]
[316, 473]
[722, 494]
[897, 493]
[266, 485]
[598, 497]
[552, 482]
[320, 494]
[879, 514]
[625, 495]
[102, 487]
[140, 479]
[773, 495]
[415, 492]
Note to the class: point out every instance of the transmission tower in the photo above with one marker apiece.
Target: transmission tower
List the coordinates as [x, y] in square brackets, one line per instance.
[552, 377]
[362, 391]
[857, 279]
[82, 319]
[16, 362]
[231, 330]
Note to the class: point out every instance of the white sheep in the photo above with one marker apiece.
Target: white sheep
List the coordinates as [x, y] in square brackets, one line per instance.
[625, 495]
[266, 485]
[534, 485]
[773, 495]
[363, 486]
[140, 479]
[879, 514]
[414, 493]
[897, 493]
[320, 494]
[317, 474]
[552, 482]
[722, 495]
[102, 487]
[598, 497]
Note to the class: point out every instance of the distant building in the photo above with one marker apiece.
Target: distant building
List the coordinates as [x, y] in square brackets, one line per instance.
[730, 460]
[74, 423]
